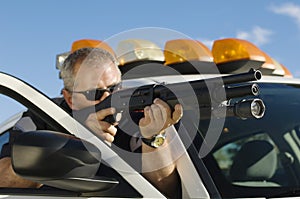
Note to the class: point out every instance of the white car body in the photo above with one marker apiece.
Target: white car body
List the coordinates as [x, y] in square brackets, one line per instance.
[194, 185]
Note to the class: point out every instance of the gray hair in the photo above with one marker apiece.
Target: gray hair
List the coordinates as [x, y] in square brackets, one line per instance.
[90, 57]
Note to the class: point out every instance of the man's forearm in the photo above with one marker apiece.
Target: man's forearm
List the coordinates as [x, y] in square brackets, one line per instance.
[10, 179]
[160, 170]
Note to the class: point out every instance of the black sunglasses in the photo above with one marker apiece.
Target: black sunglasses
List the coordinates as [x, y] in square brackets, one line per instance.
[96, 94]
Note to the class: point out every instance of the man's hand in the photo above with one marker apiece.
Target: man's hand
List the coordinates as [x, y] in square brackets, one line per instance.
[103, 129]
[158, 117]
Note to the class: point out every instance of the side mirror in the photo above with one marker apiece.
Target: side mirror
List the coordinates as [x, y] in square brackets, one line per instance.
[59, 160]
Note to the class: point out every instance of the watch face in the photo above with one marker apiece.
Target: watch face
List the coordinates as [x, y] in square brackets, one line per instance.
[158, 141]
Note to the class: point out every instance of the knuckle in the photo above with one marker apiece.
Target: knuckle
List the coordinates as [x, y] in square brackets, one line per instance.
[112, 130]
[154, 106]
[108, 137]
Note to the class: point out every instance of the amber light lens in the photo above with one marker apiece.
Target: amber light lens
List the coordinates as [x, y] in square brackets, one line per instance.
[132, 50]
[231, 49]
[91, 43]
[182, 50]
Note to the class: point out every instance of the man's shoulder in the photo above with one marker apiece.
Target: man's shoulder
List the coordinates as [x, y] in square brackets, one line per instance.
[60, 101]
[31, 121]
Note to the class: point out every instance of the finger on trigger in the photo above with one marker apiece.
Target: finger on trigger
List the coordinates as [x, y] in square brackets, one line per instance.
[163, 112]
[105, 112]
[178, 113]
[163, 104]
[148, 114]
[159, 112]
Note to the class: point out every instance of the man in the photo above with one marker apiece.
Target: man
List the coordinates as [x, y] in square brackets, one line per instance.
[89, 74]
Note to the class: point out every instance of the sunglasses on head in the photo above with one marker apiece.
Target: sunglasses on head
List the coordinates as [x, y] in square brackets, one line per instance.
[96, 94]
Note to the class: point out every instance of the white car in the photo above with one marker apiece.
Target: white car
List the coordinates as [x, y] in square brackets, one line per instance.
[246, 156]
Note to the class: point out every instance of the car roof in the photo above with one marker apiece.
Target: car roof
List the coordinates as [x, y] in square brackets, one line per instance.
[181, 78]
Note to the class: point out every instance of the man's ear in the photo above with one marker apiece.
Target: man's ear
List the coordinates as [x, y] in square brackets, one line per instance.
[68, 97]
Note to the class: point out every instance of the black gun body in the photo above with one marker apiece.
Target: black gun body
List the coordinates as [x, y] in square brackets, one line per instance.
[206, 91]
[144, 96]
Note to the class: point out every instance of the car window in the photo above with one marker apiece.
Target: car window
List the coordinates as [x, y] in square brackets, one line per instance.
[9, 115]
[4, 138]
[10, 106]
[253, 161]
[260, 158]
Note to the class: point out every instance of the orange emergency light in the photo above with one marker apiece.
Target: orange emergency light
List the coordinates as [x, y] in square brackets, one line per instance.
[189, 56]
[136, 50]
[268, 67]
[280, 70]
[83, 43]
[139, 58]
[287, 73]
[236, 55]
[91, 43]
[182, 50]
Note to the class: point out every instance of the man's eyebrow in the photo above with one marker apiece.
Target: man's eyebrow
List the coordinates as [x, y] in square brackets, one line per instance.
[113, 84]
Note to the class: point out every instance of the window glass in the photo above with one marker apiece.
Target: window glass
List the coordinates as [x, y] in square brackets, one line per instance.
[9, 109]
[4, 138]
[250, 169]
[241, 170]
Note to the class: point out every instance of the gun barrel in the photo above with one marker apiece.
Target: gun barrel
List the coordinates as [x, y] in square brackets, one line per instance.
[252, 75]
[240, 91]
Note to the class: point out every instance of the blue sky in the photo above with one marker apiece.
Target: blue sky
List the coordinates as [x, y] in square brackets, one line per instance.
[33, 32]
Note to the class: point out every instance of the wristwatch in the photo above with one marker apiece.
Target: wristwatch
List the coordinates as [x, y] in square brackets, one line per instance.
[156, 141]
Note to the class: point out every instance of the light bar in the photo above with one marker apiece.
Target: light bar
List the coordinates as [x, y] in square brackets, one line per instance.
[133, 50]
[232, 49]
[60, 58]
[234, 55]
[91, 43]
[287, 73]
[269, 66]
[83, 43]
[183, 50]
[281, 70]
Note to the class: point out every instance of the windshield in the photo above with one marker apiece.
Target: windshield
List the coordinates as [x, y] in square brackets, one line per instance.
[260, 157]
